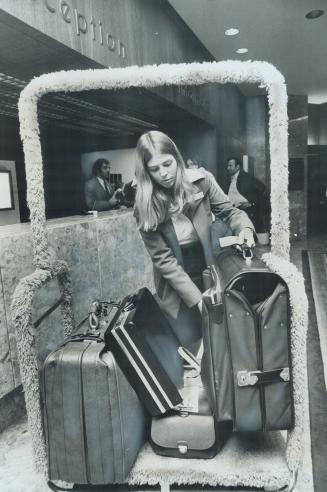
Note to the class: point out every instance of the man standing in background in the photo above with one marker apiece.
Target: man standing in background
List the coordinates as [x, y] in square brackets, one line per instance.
[100, 194]
[247, 193]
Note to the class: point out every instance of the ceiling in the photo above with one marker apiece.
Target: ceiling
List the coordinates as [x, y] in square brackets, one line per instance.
[273, 30]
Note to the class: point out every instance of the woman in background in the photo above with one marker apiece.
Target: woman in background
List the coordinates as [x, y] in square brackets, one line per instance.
[173, 208]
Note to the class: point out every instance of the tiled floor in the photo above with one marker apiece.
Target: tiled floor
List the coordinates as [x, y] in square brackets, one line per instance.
[16, 470]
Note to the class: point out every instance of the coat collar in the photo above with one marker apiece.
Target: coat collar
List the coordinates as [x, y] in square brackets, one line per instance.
[195, 174]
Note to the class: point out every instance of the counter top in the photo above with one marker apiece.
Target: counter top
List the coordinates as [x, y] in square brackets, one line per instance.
[24, 227]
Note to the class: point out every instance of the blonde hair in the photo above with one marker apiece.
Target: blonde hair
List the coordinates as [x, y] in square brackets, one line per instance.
[153, 204]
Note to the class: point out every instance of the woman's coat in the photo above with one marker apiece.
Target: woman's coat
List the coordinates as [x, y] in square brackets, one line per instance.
[171, 281]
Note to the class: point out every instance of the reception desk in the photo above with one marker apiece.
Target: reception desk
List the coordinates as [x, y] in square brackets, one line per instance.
[106, 258]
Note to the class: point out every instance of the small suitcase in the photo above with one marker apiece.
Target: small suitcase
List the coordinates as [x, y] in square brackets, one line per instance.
[246, 361]
[94, 421]
[189, 432]
[146, 349]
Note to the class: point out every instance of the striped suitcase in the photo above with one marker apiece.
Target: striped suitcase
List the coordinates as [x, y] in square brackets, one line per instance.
[146, 349]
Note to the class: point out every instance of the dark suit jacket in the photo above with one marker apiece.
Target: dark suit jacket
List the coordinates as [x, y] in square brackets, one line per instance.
[96, 197]
[171, 281]
[251, 188]
[254, 191]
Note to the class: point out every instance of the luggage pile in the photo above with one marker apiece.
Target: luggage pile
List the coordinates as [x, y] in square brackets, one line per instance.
[122, 378]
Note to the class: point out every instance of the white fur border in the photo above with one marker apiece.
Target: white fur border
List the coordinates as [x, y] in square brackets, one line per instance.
[21, 309]
[299, 324]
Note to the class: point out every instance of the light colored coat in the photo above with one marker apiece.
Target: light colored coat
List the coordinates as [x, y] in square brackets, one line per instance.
[171, 281]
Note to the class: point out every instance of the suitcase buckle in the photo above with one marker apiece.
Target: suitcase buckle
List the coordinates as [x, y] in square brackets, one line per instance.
[247, 378]
[285, 374]
[251, 378]
[182, 447]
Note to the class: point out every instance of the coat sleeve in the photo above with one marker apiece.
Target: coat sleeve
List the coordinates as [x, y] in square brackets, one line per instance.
[224, 209]
[166, 264]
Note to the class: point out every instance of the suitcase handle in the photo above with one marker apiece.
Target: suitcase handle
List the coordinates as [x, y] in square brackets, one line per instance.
[94, 313]
[98, 311]
[215, 290]
[191, 360]
[245, 251]
[232, 241]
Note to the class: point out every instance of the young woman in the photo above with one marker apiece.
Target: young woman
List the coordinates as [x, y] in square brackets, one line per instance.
[173, 209]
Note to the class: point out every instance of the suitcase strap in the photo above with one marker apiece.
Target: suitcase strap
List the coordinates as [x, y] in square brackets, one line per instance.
[254, 378]
[191, 361]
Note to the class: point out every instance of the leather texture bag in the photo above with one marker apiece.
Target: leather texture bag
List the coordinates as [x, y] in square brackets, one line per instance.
[246, 361]
[146, 349]
[189, 432]
[95, 424]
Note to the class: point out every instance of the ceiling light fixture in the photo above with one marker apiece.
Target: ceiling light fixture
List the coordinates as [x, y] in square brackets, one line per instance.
[242, 50]
[232, 31]
[314, 14]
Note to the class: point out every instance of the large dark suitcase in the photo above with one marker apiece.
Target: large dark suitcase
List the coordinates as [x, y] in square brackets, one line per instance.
[246, 361]
[146, 349]
[94, 421]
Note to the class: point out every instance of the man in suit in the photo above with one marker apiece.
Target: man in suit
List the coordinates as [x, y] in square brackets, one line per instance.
[100, 194]
[247, 193]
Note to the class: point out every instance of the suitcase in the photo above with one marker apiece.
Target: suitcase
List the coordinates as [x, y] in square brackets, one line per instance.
[146, 349]
[189, 432]
[94, 421]
[246, 334]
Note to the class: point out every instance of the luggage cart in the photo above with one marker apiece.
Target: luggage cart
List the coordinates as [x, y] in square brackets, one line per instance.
[271, 463]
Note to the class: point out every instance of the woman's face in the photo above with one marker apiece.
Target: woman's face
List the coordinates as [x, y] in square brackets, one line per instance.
[163, 169]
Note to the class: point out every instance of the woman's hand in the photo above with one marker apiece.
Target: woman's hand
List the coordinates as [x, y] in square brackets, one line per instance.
[246, 236]
[200, 306]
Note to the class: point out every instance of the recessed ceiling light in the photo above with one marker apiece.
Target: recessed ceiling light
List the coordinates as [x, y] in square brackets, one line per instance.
[232, 31]
[314, 14]
[242, 50]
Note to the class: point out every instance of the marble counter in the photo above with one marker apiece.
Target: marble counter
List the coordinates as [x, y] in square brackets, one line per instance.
[106, 258]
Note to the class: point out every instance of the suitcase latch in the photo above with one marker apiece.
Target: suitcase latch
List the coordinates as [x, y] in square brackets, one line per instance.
[285, 374]
[182, 447]
[247, 378]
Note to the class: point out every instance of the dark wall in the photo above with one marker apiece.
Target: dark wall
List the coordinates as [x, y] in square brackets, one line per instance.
[227, 108]
[313, 124]
[62, 174]
[323, 125]
[317, 125]
[317, 189]
[195, 139]
[317, 169]
[298, 125]
[256, 115]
